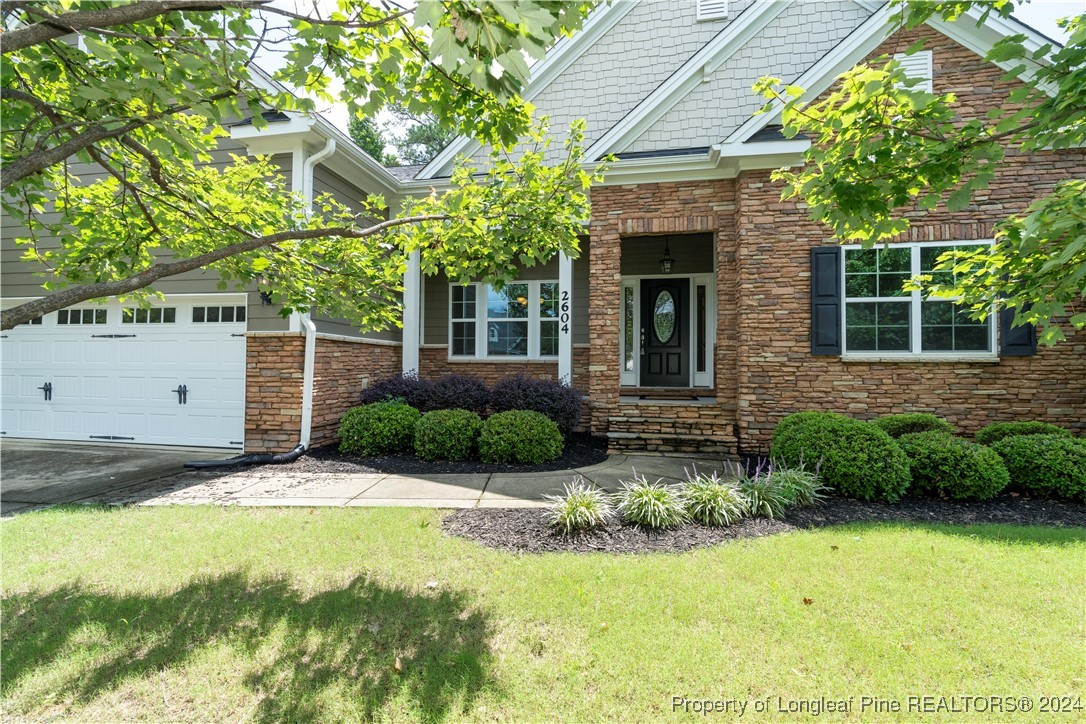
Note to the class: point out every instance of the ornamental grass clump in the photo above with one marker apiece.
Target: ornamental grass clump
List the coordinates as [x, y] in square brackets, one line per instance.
[652, 505]
[581, 507]
[802, 486]
[768, 493]
[711, 501]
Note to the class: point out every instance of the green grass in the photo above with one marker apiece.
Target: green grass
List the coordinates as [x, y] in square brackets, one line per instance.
[276, 614]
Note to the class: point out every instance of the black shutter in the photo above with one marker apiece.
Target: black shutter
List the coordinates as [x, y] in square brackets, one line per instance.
[1018, 341]
[826, 300]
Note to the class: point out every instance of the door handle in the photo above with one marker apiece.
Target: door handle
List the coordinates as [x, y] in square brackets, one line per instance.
[642, 340]
[47, 388]
[182, 394]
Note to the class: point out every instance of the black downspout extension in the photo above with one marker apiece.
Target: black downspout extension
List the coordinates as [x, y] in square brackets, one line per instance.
[261, 459]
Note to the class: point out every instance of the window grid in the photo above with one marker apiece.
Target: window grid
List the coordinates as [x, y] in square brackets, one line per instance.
[82, 316]
[519, 322]
[213, 315]
[156, 315]
[879, 319]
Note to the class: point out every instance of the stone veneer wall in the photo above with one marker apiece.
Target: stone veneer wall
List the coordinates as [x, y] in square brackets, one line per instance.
[273, 385]
[778, 374]
[649, 209]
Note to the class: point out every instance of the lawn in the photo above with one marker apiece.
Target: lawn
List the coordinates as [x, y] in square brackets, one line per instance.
[181, 613]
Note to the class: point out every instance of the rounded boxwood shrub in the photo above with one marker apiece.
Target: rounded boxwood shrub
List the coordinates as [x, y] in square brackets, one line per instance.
[999, 430]
[855, 458]
[1045, 465]
[378, 429]
[898, 425]
[447, 434]
[946, 466]
[557, 401]
[519, 436]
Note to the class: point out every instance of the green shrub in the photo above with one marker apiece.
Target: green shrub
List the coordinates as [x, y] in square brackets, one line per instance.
[999, 430]
[898, 425]
[766, 495]
[1045, 465]
[712, 501]
[581, 507]
[652, 505]
[857, 459]
[951, 467]
[447, 434]
[519, 436]
[802, 487]
[378, 429]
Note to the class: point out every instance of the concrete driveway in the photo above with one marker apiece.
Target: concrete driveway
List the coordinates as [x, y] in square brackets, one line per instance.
[34, 473]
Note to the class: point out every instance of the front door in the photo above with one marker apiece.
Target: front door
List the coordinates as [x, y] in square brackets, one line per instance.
[665, 332]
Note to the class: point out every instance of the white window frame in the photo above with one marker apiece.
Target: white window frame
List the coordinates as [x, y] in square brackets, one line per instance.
[632, 378]
[482, 320]
[914, 300]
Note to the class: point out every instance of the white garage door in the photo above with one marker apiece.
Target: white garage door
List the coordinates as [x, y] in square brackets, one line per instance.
[170, 375]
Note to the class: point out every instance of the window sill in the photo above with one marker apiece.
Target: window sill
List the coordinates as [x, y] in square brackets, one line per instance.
[922, 359]
[503, 360]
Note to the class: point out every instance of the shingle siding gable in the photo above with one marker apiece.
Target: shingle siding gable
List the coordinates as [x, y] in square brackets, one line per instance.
[615, 74]
[785, 48]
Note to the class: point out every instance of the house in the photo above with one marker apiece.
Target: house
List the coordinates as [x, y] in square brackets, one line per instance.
[701, 308]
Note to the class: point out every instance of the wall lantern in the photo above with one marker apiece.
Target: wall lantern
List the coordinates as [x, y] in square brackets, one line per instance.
[666, 261]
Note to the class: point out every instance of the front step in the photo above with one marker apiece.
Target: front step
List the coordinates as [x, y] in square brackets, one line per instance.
[671, 430]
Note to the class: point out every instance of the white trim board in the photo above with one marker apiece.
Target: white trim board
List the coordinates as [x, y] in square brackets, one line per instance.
[558, 60]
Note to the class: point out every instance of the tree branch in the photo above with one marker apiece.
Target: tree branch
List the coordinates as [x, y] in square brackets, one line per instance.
[73, 295]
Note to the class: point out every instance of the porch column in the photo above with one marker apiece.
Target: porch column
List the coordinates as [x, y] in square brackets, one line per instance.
[565, 319]
[412, 313]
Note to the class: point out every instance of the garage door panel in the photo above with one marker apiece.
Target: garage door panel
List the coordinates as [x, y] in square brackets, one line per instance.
[122, 386]
[32, 351]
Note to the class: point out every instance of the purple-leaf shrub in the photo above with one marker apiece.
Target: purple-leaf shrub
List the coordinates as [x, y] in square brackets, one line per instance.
[561, 403]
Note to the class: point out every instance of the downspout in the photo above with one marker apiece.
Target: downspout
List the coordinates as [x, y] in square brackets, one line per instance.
[309, 360]
[309, 364]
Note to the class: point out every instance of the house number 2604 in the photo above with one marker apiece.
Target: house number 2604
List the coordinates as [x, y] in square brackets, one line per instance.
[563, 311]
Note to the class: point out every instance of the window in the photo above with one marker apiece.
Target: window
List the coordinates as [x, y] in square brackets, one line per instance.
[82, 316]
[881, 317]
[201, 315]
[520, 320]
[712, 9]
[158, 315]
[917, 65]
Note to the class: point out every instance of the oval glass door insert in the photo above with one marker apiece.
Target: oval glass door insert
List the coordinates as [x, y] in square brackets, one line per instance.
[663, 316]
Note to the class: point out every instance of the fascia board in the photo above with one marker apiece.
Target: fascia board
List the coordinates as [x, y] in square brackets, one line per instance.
[561, 57]
[713, 54]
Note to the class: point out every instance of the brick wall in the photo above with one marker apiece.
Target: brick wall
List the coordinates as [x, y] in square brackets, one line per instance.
[777, 373]
[273, 385]
[649, 209]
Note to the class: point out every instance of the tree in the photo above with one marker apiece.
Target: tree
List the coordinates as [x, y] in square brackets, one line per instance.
[882, 147]
[144, 92]
[422, 138]
[369, 138]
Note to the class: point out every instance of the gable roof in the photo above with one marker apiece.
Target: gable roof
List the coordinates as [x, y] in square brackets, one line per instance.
[741, 32]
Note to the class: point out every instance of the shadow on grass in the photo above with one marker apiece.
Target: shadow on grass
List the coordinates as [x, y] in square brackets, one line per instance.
[344, 640]
[995, 532]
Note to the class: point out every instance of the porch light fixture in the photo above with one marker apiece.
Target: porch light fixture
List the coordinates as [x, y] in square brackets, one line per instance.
[666, 261]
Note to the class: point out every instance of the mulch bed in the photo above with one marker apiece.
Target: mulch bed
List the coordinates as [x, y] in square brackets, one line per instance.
[580, 450]
[525, 530]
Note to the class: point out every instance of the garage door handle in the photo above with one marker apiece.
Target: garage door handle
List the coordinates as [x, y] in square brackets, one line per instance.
[182, 394]
[47, 388]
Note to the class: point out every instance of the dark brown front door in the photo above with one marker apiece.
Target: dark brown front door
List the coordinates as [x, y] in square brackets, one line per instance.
[665, 332]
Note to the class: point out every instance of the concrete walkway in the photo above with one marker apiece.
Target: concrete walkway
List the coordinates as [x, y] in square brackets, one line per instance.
[275, 486]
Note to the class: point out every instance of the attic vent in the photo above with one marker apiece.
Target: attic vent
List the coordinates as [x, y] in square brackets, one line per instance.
[712, 9]
[917, 65]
